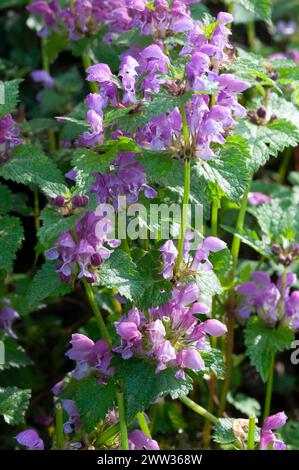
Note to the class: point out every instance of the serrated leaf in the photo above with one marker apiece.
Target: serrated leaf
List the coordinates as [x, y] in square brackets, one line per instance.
[213, 359]
[11, 236]
[268, 140]
[53, 224]
[46, 283]
[15, 355]
[251, 238]
[29, 165]
[10, 93]
[13, 404]
[160, 103]
[247, 405]
[99, 159]
[290, 434]
[207, 282]
[261, 8]
[142, 385]
[221, 261]
[229, 169]
[223, 433]
[262, 342]
[93, 401]
[120, 272]
[6, 199]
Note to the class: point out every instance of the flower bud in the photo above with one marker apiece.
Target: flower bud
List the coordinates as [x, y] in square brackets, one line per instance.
[96, 260]
[262, 112]
[59, 201]
[276, 248]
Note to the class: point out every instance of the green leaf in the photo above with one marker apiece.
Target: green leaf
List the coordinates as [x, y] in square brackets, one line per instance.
[11, 236]
[221, 261]
[142, 385]
[15, 356]
[223, 433]
[251, 238]
[46, 283]
[198, 10]
[9, 93]
[13, 404]
[6, 199]
[247, 405]
[29, 165]
[160, 103]
[229, 169]
[93, 401]
[207, 282]
[120, 272]
[252, 68]
[213, 359]
[90, 161]
[268, 140]
[276, 218]
[54, 224]
[261, 8]
[262, 342]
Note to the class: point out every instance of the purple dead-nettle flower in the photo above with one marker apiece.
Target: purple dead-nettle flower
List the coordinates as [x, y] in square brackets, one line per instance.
[125, 177]
[128, 75]
[286, 28]
[269, 301]
[49, 12]
[73, 423]
[90, 357]
[192, 262]
[170, 335]
[82, 258]
[267, 436]
[30, 439]
[140, 441]
[43, 77]
[7, 317]
[257, 199]
[9, 136]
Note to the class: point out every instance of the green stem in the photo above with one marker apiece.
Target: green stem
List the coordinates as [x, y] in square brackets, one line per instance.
[269, 387]
[184, 218]
[198, 409]
[239, 226]
[143, 424]
[36, 209]
[284, 165]
[96, 311]
[59, 427]
[214, 218]
[251, 35]
[87, 63]
[108, 434]
[46, 67]
[207, 424]
[228, 354]
[251, 433]
[122, 422]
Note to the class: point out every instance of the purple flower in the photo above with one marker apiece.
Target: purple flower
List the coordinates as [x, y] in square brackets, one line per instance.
[43, 77]
[9, 137]
[263, 297]
[140, 441]
[128, 74]
[73, 421]
[7, 317]
[169, 256]
[30, 439]
[90, 357]
[286, 28]
[268, 438]
[257, 199]
[170, 334]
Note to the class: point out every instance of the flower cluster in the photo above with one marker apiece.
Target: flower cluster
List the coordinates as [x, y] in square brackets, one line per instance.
[204, 58]
[273, 303]
[124, 178]
[170, 334]
[7, 317]
[9, 136]
[81, 253]
[90, 357]
[267, 437]
[192, 263]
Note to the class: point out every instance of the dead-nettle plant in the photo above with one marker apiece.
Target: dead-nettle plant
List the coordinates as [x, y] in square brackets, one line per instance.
[166, 143]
